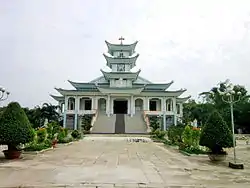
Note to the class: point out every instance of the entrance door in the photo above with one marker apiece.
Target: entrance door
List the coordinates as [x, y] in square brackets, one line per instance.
[152, 105]
[120, 106]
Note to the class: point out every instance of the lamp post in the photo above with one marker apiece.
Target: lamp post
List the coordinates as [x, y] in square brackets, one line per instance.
[231, 97]
[3, 94]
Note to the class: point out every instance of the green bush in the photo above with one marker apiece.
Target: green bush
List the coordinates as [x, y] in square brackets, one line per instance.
[66, 131]
[76, 134]
[159, 134]
[38, 146]
[194, 150]
[187, 136]
[61, 135]
[41, 135]
[215, 134]
[65, 140]
[154, 123]
[86, 122]
[175, 133]
[53, 128]
[196, 133]
[15, 128]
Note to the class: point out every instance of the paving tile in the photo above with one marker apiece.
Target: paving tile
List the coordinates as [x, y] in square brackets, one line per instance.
[106, 162]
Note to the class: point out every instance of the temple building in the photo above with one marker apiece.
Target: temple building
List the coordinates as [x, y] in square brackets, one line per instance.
[120, 101]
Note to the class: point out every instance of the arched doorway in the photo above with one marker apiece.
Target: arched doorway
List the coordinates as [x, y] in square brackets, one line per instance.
[138, 105]
[71, 103]
[169, 105]
[85, 103]
[155, 104]
[102, 105]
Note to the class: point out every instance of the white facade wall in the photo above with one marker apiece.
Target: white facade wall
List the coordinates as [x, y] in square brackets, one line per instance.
[117, 54]
[120, 83]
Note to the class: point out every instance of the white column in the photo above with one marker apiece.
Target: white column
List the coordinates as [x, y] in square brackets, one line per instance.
[164, 113]
[96, 103]
[174, 110]
[108, 106]
[132, 106]
[162, 104]
[76, 111]
[147, 104]
[92, 103]
[181, 110]
[111, 105]
[129, 106]
[65, 112]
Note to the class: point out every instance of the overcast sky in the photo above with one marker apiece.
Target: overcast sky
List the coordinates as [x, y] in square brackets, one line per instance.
[43, 43]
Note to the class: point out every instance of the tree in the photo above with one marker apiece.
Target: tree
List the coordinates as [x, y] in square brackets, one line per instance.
[215, 134]
[15, 127]
[241, 108]
[35, 116]
[198, 111]
[49, 111]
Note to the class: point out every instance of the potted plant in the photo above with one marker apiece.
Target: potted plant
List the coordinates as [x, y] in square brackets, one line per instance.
[216, 135]
[15, 129]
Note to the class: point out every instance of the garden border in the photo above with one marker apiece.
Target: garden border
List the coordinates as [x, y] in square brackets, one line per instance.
[47, 149]
[37, 152]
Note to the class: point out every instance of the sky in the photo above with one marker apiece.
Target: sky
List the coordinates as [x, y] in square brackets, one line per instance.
[44, 43]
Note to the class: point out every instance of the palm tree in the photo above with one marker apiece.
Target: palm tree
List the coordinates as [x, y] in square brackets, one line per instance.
[49, 112]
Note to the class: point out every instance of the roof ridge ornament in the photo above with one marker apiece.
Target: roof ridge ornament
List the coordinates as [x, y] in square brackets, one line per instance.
[121, 39]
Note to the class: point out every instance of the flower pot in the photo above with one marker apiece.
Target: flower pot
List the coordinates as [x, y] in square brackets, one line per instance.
[54, 142]
[217, 157]
[12, 154]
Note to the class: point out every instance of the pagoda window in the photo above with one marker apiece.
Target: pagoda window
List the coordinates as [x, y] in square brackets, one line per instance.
[155, 104]
[178, 108]
[169, 105]
[71, 103]
[85, 103]
[88, 104]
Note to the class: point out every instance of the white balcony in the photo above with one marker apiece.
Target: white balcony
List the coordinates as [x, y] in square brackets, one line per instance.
[158, 112]
[82, 112]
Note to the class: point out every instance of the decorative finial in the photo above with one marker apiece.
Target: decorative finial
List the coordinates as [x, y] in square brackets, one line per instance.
[121, 39]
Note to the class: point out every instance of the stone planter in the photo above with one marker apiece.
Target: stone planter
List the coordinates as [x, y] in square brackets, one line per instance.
[12, 154]
[217, 157]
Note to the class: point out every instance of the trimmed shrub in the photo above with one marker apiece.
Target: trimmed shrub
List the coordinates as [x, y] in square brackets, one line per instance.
[41, 135]
[52, 129]
[187, 136]
[159, 134]
[15, 128]
[215, 134]
[175, 133]
[76, 134]
[154, 123]
[86, 122]
[38, 146]
[61, 135]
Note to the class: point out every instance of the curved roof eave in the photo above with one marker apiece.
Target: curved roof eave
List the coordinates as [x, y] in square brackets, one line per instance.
[118, 45]
[184, 99]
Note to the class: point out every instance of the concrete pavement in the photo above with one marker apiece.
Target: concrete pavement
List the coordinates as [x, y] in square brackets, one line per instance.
[117, 163]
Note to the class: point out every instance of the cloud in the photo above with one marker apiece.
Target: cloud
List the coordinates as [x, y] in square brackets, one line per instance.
[195, 43]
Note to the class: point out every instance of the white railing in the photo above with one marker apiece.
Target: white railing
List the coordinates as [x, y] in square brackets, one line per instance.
[148, 112]
[94, 120]
[147, 122]
[86, 112]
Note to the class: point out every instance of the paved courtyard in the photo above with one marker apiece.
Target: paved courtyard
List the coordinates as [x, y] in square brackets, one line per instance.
[114, 162]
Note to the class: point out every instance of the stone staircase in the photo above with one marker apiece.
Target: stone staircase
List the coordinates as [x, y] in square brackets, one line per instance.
[135, 124]
[104, 124]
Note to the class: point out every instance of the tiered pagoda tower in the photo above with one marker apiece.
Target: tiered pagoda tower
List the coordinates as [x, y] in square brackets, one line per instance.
[120, 91]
